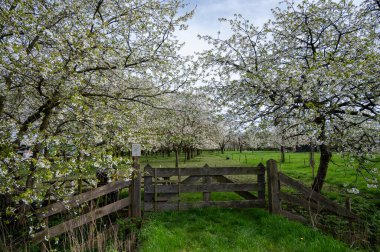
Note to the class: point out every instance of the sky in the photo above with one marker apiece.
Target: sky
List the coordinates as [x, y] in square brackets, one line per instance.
[205, 19]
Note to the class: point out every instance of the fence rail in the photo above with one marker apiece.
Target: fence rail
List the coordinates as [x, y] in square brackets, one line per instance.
[307, 198]
[162, 192]
[94, 214]
[204, 171]
[77, 200]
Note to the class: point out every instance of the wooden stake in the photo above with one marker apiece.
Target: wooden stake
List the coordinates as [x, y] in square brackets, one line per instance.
[136, 189]
[273, 187]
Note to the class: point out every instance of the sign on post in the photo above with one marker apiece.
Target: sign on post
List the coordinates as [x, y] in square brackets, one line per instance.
[136, 150]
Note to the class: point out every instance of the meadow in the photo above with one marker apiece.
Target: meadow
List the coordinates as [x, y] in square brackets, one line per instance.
[255, 229]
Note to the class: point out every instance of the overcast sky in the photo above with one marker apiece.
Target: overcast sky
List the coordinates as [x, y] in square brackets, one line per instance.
[205, 19]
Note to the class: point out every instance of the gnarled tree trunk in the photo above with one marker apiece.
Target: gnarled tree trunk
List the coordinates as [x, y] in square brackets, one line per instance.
[323, 166]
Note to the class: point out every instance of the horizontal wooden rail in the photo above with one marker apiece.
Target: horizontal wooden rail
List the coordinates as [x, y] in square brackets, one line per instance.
[309, 194]
[74, 201]
[79, 221]
[292, 216]
[167, 206]
[205, 171]
[223, 187]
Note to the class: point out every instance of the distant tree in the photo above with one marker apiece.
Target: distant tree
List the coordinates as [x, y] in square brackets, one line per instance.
[186, 123]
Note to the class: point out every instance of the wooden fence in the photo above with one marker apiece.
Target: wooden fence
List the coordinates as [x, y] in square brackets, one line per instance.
[94, 214]
[163, 187]
[304, 197]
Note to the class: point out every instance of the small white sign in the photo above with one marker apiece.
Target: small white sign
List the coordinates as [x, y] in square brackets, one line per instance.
[136, 150]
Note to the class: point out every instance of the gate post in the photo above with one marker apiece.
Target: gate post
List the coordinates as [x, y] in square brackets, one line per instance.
[135, 190]
[148, 182]
[274, 205]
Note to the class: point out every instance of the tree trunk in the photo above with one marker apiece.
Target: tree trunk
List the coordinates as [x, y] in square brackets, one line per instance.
[311, 159]
[322, 169]
[282, 154]
[199, 152]
[176, 158]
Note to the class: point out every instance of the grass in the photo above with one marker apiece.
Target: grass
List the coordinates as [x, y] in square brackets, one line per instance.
[182, 228]
[230, 230]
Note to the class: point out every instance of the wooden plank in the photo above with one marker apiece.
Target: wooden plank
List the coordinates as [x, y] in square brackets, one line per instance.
[74, 201]
[261, 182]
[246, 195]
[170, 206]
[292, 216]
[79, 221]
[274, 203]
[322, 200]
[308, 205]
[207, 195]
[191, 179]
[167, 197]
[205, 171]
[148, 181]
[223, 187]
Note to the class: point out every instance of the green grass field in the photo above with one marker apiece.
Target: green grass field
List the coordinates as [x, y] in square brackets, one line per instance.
[230, 230]
[255, 229]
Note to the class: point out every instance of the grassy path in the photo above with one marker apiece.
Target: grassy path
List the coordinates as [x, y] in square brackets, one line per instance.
[230, 230]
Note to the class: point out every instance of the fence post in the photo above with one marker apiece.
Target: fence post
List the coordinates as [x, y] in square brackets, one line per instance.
[350, 226]
[261, 182]
[273, 187]
[135, 189]
[148, 181]
[43, 245]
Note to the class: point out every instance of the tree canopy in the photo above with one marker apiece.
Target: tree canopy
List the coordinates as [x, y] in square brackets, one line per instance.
[76, 80]
[313, 69]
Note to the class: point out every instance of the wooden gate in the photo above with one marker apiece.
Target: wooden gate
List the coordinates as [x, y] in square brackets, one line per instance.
[163, 187]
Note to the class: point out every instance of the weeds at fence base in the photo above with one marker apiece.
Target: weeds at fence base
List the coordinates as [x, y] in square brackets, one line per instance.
[100, 236]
